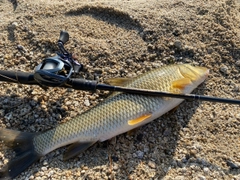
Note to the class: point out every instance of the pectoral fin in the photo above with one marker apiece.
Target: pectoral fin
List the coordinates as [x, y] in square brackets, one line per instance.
[76, 148]
[139, 119]
[181, 83]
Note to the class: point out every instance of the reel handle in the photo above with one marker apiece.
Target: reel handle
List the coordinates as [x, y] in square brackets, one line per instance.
[64, 36]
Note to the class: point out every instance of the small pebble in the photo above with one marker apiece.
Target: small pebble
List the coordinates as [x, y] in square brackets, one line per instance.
[50, 173]
[152, 164]
[140, 154]
[179, 178]
[14, 24]
[43, 168]
[146, 149]
[68, 103]
[224, 69]
[20, 47]
[167, 132]
[206, 170]
[233, 165]
[238, 63]
[115, 167]
[2, 112]
[200, 177]
[45, 163]
[178, 44]
[31, 177]
[98, 70]
[86, 102]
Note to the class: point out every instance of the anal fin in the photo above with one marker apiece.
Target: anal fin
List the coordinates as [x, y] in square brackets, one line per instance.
[174, 109]
[76, 148]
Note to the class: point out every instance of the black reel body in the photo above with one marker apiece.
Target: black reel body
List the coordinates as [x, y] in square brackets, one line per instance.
[53, 71]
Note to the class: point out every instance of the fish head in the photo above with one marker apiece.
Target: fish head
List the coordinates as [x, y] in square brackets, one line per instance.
[195, 74]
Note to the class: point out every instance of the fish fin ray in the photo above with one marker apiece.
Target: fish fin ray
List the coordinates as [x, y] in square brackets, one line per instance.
[117, 81]
[174, 109]
[132, 132]
[22, 144]
[139, 119]
[181, 83]
[76, 148]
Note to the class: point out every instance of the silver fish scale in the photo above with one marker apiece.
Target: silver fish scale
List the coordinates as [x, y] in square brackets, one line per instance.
[113, 113]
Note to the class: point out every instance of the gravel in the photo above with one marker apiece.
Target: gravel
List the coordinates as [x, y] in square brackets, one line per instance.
[199, 140]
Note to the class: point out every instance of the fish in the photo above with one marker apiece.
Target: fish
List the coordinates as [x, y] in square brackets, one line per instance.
[117, 114]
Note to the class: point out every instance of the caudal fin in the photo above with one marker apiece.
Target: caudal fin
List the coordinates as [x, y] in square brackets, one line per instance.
[22, 144]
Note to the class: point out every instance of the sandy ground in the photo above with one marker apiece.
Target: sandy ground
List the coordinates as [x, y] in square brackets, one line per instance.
[199, 140]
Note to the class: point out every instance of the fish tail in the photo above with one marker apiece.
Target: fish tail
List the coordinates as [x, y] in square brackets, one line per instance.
[22, 144]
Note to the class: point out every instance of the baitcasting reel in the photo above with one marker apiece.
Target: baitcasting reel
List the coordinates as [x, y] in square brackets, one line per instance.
[55, 71]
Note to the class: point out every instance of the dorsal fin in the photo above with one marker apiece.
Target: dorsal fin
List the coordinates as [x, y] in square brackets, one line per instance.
[118, 81]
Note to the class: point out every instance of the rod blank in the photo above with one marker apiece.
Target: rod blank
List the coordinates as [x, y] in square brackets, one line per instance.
[88, 85]
[167, 94]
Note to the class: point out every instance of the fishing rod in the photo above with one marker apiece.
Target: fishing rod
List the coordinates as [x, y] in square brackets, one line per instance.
[57, 71]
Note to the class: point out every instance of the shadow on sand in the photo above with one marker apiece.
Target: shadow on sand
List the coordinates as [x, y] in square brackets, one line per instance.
[109, 15]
